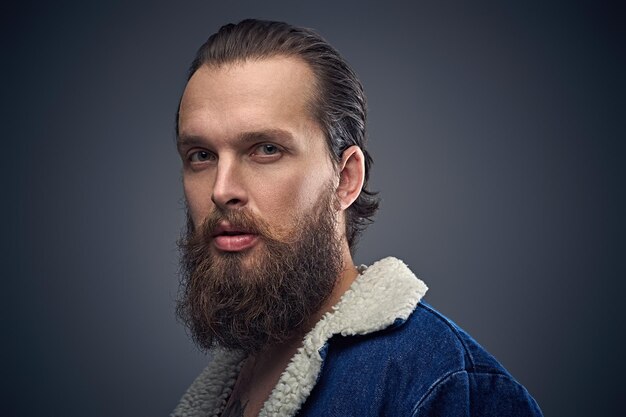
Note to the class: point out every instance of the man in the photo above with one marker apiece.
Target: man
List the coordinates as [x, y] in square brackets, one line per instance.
[271, 132]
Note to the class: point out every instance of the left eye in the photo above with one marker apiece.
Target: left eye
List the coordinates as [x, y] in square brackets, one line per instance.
[268, 149]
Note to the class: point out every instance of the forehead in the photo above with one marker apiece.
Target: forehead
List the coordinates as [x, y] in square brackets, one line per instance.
[259, 94]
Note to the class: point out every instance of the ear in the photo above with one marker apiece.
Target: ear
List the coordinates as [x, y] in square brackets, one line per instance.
[351, 176]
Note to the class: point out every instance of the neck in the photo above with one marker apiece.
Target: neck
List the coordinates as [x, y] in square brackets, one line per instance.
[345, 279]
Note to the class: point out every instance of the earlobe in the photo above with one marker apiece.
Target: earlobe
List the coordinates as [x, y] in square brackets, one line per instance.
[351, 176]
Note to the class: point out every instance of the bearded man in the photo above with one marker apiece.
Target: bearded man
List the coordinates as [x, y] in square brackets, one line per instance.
[271, 132]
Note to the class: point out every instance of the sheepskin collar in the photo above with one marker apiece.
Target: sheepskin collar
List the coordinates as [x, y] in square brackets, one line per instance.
[383, 293]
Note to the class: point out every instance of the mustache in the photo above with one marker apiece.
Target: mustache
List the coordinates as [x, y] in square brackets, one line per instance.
[240, 219]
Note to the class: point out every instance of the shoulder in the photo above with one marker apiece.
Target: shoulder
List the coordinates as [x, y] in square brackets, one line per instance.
[426, 342]
[441, 337]
[430, 366]
[473, 382]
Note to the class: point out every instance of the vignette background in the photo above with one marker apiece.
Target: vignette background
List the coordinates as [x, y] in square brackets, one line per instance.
[496, 130]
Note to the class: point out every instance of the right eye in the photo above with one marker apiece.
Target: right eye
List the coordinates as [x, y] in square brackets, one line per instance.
[201, 156]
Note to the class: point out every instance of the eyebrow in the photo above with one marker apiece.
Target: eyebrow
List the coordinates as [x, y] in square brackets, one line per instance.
[268, 135]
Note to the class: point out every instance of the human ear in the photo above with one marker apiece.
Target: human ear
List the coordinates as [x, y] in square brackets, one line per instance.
[351, 176]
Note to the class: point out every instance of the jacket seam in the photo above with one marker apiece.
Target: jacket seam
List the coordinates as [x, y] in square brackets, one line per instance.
[433, 387]
[452, 374]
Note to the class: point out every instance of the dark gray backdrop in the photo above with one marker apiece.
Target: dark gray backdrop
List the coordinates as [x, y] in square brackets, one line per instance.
[496, 129]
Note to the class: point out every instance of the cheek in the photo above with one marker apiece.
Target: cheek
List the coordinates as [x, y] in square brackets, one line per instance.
[286, 197]
[198, 198]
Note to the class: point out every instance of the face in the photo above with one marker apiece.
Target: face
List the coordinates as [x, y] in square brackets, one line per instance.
[262, 205]
[248, 142]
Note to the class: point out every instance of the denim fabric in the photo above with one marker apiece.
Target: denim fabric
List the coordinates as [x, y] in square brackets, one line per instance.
[423, 366]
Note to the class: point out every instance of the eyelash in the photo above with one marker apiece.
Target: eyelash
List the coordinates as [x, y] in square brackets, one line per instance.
[192, 154]
[257, 150]
[276, 148]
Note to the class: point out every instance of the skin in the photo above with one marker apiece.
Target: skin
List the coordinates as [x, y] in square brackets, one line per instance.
[247, 141]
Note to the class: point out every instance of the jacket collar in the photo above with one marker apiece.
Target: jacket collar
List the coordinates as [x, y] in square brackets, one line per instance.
[383, 293]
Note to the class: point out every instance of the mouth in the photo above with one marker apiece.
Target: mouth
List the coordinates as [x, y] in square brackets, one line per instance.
[229, 238]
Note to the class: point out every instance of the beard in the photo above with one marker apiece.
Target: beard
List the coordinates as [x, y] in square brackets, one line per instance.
[265, 295]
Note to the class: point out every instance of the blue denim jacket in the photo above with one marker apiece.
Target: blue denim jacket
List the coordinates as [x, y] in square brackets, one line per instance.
[423, 366]
[380, 352]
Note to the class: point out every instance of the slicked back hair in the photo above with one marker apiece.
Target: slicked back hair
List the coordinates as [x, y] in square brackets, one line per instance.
[339, 105]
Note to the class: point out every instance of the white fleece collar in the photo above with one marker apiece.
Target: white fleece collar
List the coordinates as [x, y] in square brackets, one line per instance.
[384, 292]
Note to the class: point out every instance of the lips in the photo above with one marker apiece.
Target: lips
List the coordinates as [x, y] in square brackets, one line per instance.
[229, 238]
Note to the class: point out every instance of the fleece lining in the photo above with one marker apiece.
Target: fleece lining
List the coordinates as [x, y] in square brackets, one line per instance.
[381, 294]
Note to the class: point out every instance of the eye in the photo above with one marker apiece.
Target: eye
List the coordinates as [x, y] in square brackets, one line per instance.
[266, 152]
[201, 156]
[268, 149]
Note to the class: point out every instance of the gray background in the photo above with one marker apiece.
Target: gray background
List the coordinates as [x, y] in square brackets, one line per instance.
[496, 129]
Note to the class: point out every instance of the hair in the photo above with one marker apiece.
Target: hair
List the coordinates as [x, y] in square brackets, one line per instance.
[339, 105]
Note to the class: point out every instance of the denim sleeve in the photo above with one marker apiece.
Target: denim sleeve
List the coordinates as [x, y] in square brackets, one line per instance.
[473, 394]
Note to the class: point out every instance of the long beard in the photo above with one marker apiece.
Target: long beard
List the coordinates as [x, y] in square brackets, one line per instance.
[248, 301]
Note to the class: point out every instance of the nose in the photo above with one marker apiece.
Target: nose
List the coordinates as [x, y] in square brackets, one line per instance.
[229, 191]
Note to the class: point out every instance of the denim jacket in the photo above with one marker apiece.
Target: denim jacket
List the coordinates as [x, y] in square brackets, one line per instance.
[379, 352]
